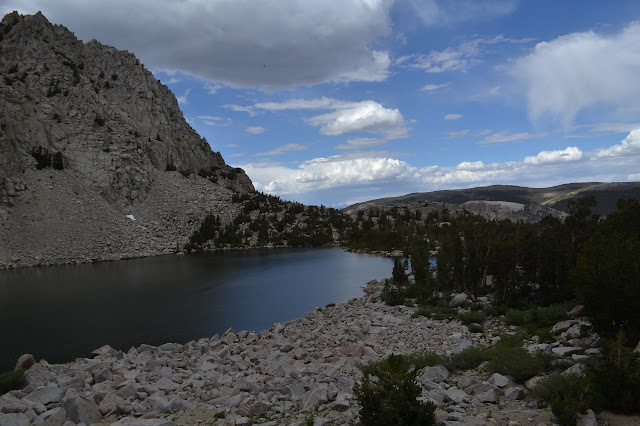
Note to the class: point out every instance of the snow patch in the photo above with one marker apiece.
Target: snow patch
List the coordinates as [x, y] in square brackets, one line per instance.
[130, 216]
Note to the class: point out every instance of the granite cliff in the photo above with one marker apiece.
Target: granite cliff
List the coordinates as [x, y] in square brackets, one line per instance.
[96, 159]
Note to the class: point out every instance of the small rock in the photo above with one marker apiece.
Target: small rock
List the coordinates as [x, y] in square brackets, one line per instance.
[14, 419]
[25, 362]
[460, 300]
[436, 374]
[562, 326]
[565, 350]
[588, 419]
[456, 395]
[514, 393]
[498, 380]
[55, 417]
[81, 410]
[46, 395]
[487, 396]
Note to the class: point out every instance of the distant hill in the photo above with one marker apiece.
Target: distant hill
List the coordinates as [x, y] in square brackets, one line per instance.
[515, 202]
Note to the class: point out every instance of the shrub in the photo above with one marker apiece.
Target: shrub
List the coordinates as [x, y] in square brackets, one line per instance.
[42, 156]
[468, 359]
[616, 377]
[57, 162]
[11, 380]
[568, 395]
[475, 328]
[392, 398]
[517, 362]
[471, 317]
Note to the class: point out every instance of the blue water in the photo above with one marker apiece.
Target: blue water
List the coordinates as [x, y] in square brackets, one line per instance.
[59, 313]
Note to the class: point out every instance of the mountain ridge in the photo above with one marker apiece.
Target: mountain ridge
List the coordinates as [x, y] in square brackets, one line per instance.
[90, 141]
[535, 203]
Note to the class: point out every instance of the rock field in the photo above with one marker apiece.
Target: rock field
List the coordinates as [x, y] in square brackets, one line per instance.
[293, 373]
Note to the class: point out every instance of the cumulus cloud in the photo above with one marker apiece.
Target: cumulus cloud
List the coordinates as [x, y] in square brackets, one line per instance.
[283, 149]
[508, 136]
[243, 43]
[366, 116]
[630, 146]
[571, 153]
[453, 116]
[255, 130]
[361, 143]
[346, 117]
[571, 73]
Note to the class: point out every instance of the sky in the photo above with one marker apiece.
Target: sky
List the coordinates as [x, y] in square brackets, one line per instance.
[335, 102]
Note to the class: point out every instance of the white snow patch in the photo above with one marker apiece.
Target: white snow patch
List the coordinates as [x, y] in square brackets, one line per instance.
[130, 216]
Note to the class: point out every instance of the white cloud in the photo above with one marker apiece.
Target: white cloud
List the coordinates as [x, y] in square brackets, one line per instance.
[366, 175]
[453, 116]
[443, 13]
[433, 87]
[283, 149]
[460, 57]
[240, 108]
[571, 153]
[347, 117]
[571, 73]
[184, 98]
[630, 146]
[255, 130]
[212, 88]
[242, 43]
[210, 120]
[361, 143]
[508, 136]
[365, 116]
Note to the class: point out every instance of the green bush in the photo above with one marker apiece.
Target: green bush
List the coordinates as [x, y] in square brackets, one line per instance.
[517, 363]
[42, 156]
[616, 377]
[471, 317]
[57, 162]
[568, 396]
[475, 328]
[11, 380]
[469, 358]
[391, 398]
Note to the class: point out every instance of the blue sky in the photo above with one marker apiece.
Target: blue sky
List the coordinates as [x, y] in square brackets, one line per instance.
[334, 102]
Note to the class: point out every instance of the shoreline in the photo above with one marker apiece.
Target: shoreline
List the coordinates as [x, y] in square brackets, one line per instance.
[287, 373]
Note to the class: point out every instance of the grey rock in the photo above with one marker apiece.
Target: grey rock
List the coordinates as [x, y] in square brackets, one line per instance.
[132, 421]
[487, 396]
[313, 399]
[456, 395]
[25, 362]
[562, 326]
[588, 419]
[498, 380]
[81, 410]
[38, 376]
[436, 374]
[462, 346]
[12, 405]
[46, 395]
[54, 417]
[14, 419]
[565, 350]
[460, 300]
[514, 393]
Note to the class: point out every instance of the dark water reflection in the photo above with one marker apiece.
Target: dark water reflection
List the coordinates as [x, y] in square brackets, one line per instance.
[61, 312]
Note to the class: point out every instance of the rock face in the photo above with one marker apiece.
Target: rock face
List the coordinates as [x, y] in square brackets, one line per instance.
[87, 135]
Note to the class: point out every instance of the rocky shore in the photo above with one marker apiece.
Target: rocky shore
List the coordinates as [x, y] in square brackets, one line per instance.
[298, 372]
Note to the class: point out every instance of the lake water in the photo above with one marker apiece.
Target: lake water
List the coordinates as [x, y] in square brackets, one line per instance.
[62, 312]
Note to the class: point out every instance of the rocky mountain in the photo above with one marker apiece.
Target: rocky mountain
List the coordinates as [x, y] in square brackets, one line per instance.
[515, 202]
[96, 159]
